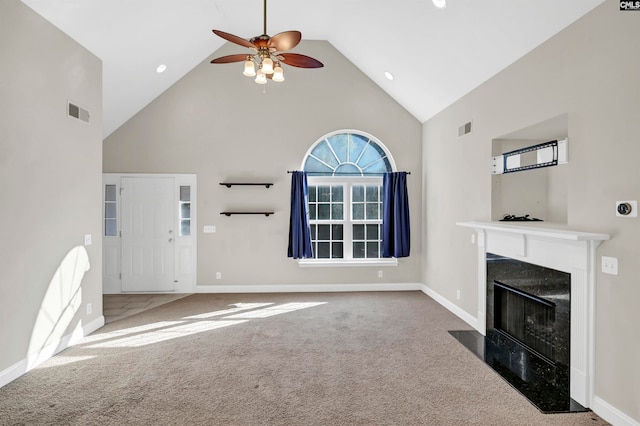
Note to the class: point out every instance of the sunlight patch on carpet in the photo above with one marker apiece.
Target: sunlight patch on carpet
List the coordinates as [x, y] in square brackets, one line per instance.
[166, 334]
[276, 310]
[239, 307]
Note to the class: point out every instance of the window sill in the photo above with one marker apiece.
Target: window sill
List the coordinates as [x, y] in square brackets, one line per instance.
[305, 263]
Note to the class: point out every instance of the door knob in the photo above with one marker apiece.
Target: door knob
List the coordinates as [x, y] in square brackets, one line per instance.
[171, 231]
[170, 239]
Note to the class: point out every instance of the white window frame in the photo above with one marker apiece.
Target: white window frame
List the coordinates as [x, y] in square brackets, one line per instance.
[347, 182]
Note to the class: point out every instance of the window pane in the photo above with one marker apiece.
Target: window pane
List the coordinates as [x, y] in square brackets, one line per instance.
[372, 249]
[110, 210]
[312, 212]
[313, 232]
[337, 211]
[185, 210]
[323, 152]
[185, 193]
[358, 232]
[324, 232]
[110, 228]
[339, 143]
[337, 250]
[315, 166]
[358, 211]
[358, 193]
[312, 194]
[372, 232]
[372, 211]
[357, 144]
[324, 194]
[110, 193]
[336, 231]
[185, 227]
[324, 211]
[358, 250]
[337, 194]
[323, 250]
[372, 193]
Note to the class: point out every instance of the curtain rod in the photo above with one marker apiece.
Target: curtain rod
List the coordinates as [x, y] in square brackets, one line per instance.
[343, 174]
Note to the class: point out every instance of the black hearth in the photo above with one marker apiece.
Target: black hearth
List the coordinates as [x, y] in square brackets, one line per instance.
[527, 331]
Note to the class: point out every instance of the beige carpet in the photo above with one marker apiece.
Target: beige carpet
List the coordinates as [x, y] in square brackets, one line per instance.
[278, 359]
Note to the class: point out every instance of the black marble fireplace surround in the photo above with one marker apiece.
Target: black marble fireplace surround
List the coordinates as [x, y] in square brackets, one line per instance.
[528, 328]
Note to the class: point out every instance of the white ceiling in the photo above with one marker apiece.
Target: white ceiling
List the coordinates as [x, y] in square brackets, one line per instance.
[436, 55]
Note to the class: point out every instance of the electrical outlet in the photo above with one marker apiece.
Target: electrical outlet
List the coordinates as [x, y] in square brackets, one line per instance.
[473, 238]
[218, 275]
[380, 274]
[89, 309]
[610, 265]
[458, 294]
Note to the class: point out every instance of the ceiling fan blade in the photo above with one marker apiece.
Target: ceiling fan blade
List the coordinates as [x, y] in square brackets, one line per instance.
[230, 58]
[300, 61]
[285, 40]
[234, 39]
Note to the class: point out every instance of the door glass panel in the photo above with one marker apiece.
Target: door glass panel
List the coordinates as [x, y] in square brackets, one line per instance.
[185, 228]
[185, 211]
[110, 211]
[185, 193]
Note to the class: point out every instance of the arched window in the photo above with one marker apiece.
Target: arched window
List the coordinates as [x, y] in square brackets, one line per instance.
[344, 173]
[347, 153]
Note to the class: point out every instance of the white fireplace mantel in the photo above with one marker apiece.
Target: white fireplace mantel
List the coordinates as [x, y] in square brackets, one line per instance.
[561, 249]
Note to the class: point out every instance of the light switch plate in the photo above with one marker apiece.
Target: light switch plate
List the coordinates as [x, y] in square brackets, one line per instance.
[87, 239]
[209, 229]
[610, 265]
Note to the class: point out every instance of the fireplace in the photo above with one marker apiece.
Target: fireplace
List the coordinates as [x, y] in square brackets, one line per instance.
[527, 319]
[559, 353]
[528, 330]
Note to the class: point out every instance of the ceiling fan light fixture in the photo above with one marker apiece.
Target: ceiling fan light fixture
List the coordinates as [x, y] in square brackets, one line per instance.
[261, 77]
[278, 73]
[249, 68]
[267, 65]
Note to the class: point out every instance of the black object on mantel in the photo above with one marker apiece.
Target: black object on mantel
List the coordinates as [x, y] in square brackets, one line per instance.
[514, 218]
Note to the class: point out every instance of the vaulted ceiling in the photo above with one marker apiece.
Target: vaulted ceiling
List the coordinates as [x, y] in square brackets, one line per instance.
[435, 55]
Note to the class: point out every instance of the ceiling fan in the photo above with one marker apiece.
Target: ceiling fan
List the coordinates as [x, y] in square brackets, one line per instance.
[268, 53]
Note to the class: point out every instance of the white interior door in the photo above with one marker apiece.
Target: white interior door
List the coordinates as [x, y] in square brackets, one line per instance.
[147, 233]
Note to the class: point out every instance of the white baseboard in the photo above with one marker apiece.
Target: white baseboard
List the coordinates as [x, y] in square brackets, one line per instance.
[34, 359]
[611, 414]
[455, 309]
[307, 288]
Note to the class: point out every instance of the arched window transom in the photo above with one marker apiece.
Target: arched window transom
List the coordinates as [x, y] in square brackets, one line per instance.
[347, 153]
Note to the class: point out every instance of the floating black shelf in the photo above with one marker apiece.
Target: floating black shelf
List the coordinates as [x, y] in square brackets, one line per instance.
[230, 213]
[230, 184]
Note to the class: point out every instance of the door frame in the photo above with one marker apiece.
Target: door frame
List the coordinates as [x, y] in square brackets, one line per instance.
[185, 248]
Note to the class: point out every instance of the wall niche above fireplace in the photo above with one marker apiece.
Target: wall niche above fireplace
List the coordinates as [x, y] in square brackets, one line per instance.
[540, 193]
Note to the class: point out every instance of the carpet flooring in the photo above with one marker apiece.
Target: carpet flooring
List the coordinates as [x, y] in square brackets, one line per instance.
[275, 359]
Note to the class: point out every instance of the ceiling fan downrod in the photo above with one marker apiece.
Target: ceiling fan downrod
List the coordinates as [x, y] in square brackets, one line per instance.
[265, 17]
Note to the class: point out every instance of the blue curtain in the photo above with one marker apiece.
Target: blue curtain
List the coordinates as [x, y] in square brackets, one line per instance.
[396, 232]
[299, 230]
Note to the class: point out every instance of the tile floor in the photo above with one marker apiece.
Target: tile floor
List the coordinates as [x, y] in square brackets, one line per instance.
[118, 306]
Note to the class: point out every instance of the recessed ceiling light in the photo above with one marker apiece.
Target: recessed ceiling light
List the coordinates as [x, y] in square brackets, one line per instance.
[388, 75]
[440, 3]
[161, 68]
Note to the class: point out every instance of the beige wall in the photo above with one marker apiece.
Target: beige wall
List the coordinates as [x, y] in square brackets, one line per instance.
[589, 71]
[220, 125]
[50, 169]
